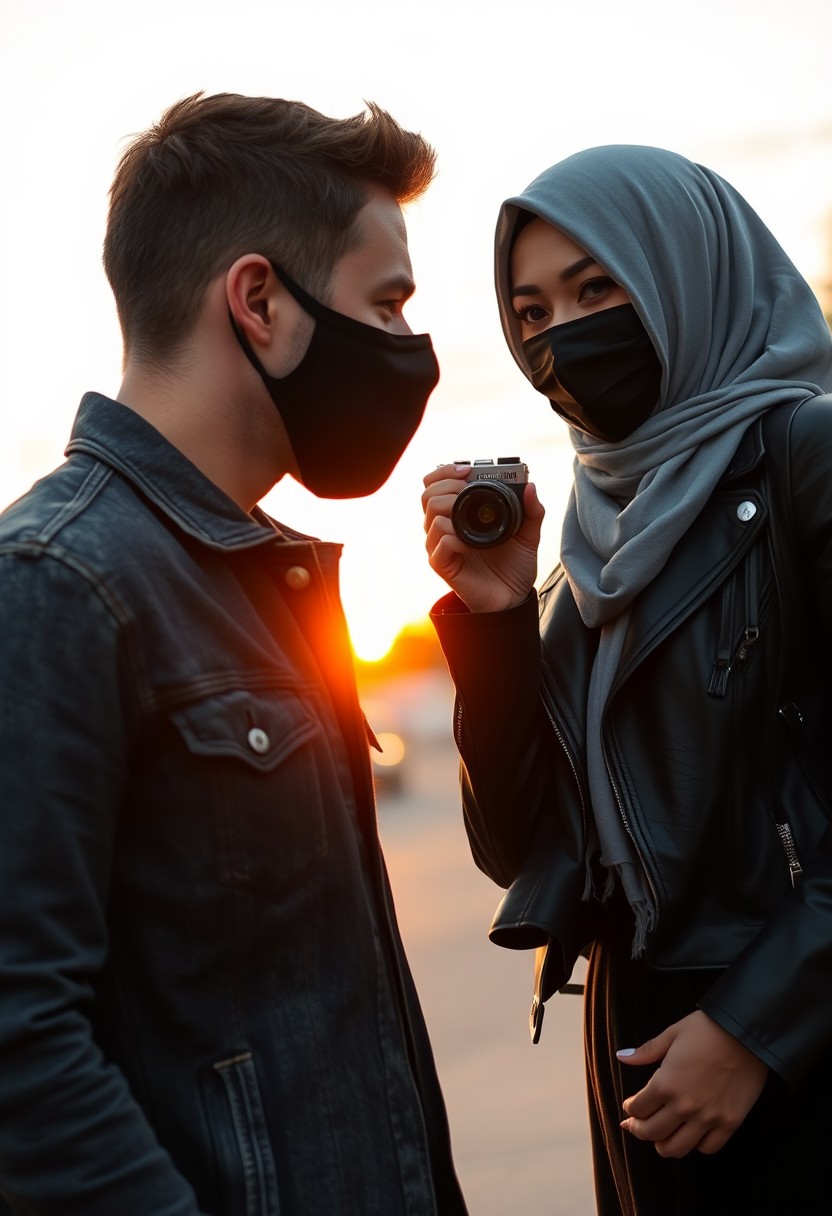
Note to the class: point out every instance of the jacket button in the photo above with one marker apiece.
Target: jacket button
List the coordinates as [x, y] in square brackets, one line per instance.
[746, 511]
[258, 740]
[297, 578]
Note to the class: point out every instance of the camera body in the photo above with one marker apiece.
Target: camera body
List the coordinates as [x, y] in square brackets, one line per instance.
[489, 509]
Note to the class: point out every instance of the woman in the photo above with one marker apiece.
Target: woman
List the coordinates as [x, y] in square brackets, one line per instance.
[645, 766]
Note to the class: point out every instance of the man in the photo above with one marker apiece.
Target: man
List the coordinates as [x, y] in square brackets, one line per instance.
[204, 1001]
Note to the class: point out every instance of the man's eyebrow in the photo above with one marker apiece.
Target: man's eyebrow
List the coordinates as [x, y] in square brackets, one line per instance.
[569, 272]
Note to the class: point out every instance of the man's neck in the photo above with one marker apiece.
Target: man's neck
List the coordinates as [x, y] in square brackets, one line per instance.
[235, 443]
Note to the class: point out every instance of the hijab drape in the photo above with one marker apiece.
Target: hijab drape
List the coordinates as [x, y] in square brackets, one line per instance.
[737, 331]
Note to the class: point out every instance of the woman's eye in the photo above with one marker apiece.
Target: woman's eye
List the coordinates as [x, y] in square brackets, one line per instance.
[594, 289]
[531, 314]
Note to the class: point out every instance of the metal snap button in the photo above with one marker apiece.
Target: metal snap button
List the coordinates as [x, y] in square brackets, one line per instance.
[297, 578]
[746, 511]
[258, 740]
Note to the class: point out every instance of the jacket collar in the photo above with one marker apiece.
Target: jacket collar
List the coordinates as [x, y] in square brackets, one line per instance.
[708, 551]
[119, 437]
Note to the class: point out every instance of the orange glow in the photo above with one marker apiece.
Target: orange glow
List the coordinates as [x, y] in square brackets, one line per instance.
[414, 648]
[372, 639]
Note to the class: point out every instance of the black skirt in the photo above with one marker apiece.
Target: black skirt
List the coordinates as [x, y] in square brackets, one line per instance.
[777, 1163]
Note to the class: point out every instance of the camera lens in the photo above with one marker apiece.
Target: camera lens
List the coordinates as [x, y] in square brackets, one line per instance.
[486, 513]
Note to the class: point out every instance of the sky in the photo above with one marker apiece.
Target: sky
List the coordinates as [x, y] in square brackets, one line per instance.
[501, 91]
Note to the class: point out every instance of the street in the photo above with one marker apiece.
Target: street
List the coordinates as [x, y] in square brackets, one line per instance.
[517, 1111]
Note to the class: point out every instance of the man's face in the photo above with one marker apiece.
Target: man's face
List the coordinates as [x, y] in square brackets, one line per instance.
[372, 282]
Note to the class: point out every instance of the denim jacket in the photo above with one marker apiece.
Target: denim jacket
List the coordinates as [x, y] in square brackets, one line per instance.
[204, 1002]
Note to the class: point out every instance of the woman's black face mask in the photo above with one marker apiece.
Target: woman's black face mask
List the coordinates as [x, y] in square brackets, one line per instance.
[608, 366]
[353, 403]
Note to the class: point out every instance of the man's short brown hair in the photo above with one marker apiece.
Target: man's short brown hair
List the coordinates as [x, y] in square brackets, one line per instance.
[225, 175]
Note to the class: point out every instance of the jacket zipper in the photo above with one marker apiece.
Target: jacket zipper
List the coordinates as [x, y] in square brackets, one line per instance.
[722, 666]
[726, 661]
[784, 831]
[752, 611]
[619, 803]
[550, 715]
[538, 1009]
[560, 738]
[793, 718]
[629, 832]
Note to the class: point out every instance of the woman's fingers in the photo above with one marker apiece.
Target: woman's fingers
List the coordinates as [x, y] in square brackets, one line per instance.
[702, 1090]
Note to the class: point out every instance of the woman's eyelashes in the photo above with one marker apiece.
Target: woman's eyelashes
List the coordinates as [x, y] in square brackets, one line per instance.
[531, 314]
[596, 288]
[589, 292]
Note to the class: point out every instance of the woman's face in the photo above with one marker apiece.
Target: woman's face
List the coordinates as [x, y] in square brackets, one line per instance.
[553, 280]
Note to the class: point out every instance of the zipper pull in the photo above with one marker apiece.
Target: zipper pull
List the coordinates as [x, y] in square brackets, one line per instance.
[784, 831]
[752, 636]
[752, 630]
[718, 685]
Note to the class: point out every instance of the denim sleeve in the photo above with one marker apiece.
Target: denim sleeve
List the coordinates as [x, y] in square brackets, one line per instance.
[72, 1139]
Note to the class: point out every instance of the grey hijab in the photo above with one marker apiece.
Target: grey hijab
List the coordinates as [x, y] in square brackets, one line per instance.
[737, 331]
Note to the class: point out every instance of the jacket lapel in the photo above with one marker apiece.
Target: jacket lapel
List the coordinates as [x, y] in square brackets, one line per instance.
[706, 554]
[728, 525]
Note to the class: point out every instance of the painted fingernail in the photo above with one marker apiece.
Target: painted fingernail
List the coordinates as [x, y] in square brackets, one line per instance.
[626, 1051]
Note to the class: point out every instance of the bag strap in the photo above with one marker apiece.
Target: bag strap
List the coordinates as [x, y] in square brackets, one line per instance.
[776, 434]
[784, 539]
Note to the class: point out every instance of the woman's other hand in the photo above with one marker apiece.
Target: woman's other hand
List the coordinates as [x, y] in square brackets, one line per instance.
[698, 1097]
[486, 580]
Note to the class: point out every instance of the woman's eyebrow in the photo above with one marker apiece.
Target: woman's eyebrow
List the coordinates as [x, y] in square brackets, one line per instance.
[577, 267]
[569, 272]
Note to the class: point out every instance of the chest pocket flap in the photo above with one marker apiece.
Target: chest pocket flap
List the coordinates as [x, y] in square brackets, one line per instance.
[261, 729]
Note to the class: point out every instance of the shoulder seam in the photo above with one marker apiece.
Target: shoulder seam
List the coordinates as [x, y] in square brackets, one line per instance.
[34, 549]
[89, 488]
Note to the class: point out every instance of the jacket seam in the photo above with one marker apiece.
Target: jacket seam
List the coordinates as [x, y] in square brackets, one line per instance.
[89, 489]
[32, 550]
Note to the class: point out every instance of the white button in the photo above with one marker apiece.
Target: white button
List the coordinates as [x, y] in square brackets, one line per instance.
[746, 511]
[297, 578]
[258, 740]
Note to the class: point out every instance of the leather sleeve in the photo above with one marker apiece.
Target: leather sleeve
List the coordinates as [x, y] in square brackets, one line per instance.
[72, 1138]
[776, 998]
[501, 729]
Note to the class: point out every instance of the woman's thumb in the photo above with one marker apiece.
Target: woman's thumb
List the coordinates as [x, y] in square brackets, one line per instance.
[650, 1052]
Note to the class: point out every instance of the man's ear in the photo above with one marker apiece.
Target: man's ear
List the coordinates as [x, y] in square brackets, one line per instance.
[254, 295]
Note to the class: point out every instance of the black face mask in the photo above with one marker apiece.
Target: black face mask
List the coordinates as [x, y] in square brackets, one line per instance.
[606, 363]
[354, 401]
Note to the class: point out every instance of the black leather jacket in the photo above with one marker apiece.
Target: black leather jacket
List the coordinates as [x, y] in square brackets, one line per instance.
[717, 742]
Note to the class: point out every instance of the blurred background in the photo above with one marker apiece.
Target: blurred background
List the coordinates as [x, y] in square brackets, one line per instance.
[502, 91]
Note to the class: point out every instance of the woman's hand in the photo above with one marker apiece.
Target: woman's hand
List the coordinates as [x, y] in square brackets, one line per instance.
[706, 1085]
[486, 580]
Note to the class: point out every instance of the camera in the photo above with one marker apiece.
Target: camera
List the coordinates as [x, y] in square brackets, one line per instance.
[489, 509]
